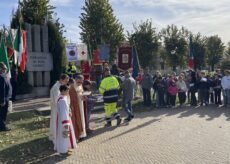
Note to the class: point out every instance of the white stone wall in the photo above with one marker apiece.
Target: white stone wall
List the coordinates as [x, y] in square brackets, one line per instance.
[39, 60]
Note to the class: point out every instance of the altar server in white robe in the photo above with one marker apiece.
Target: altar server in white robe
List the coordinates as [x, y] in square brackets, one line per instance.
[65, 139]
[54, 94]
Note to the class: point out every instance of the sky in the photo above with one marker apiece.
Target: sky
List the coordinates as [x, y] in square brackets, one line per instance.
[209, 17]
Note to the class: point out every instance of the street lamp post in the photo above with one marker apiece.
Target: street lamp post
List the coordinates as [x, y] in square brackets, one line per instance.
[173, 52]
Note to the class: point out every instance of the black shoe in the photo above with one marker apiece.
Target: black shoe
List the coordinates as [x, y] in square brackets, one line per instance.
[89, 131]
[108, 124]
[82, 139]
[127, 119]
[5, 129]
[118, 121]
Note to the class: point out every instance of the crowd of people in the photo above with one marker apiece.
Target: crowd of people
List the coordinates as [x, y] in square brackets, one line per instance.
[198, 88]
[72, 99]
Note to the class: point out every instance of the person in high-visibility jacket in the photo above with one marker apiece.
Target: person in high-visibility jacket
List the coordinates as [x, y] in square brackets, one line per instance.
[109, 88]
[71, 70]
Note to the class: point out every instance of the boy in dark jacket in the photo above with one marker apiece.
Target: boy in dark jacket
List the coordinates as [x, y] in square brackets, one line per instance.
[217, 89]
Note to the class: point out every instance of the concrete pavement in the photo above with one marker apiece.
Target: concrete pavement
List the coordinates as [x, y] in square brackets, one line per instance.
[181, 135]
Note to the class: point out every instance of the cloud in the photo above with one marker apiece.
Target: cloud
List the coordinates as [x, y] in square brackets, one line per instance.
[207, 16]
[61, 2]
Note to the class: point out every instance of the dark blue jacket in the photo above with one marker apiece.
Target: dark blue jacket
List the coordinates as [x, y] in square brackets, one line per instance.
[4, 90]
[203, 85]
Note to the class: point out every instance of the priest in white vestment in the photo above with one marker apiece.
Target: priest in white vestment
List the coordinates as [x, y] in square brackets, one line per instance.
[79, 89]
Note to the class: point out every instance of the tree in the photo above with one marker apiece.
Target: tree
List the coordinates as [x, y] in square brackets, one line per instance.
[146, 40]
[215, 50]
[99, 25]
[199, 51]
[36, 11]
[57, 48]
[176, 45]
[225, 65]
[227, 51]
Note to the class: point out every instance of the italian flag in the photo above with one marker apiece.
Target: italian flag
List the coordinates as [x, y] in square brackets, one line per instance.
[4, 56]
[24, 53]
[20, 49]
[18, 46]
[9, 43]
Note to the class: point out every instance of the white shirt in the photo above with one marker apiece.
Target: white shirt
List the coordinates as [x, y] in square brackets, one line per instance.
[225, 82]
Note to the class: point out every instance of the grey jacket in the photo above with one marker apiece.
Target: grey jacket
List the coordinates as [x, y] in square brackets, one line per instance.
[128, 87]
[147, 81]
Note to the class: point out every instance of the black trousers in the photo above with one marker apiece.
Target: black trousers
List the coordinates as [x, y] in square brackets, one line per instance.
[217, 96]
[193, 98]
[203, 96]
[161, 98]
[3, 114]
[210, 97]
[146, 96]
[14, 89]
[172, 99]
[182, 97]
[189, 96]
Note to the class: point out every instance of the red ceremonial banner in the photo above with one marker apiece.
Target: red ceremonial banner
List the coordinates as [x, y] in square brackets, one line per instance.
[85, 70]
[125, 58]
[96, 57]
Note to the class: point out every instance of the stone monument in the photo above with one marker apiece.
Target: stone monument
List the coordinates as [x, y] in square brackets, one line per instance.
[39, 60]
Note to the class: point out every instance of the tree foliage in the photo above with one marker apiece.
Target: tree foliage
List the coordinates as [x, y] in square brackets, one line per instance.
[146, 41]
[215, 49]
[175, 43]
[225, 65]
[199, 50]
[57, 48]
[33, 12]
[99, 25]
[227, 51]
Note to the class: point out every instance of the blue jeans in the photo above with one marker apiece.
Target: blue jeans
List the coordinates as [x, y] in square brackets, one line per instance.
[128, 108]
[226, 94]
[98, 80]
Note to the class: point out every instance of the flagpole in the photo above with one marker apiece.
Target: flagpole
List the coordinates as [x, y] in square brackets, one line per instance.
[136, 53]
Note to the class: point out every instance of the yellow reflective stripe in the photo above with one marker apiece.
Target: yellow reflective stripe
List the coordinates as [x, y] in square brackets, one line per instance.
[102, 88]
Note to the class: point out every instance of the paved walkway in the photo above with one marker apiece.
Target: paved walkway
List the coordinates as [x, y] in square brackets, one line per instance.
[182, 135]
[31, 104]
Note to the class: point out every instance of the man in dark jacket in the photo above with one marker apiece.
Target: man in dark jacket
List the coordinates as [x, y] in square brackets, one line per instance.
[203, 87]
[147, 83]
[4, 97]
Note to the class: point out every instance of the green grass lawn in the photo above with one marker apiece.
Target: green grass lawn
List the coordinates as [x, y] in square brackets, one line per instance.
[27, 141]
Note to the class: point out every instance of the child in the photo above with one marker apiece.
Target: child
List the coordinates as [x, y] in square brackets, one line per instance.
[65, 139]
[182, 89]
[89, 102]
[172, 90]
[160, 89]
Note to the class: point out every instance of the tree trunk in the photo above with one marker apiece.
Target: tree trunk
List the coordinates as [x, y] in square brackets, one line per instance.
[212, 67]
[174, 68]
